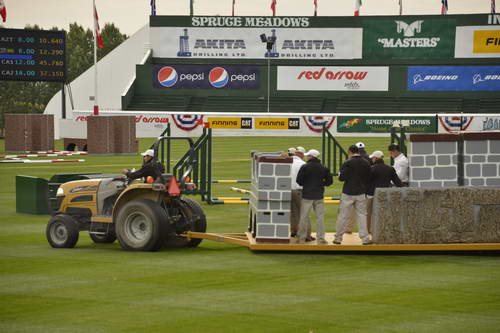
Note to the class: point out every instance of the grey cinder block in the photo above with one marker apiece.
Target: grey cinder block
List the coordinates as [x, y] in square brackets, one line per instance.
[422, 148]
[416, 161]
[421, 173]
[494, 158]
[283, 169]
[281, 217]
[266, 169]
[477, 181]
[275, 195]
[476, 147]
[286, 196]
[446, 147]
[430, 160]
[283, 231]
[265, 230]
[473, 170]
[444, 160]
[284, 183]
[431, 184]
[267, 183]
[263, 217]
[450, 184]
[489, 170]
[495, 146]
[478, 159]
[445, 172]
[493, 182]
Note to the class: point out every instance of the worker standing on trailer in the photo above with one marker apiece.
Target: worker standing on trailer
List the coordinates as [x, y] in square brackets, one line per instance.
[298, 162]
[355, 173]
[313, 177]
[149, 167]
[400, 164]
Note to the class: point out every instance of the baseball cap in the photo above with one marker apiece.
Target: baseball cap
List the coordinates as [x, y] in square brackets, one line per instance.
[313, 153]
[149, 152]
[292, 150]
[394, 147]
[377, 154]
[360, 145]
[301, 149]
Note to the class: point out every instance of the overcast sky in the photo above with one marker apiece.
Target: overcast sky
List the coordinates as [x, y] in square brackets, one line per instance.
[130, 15]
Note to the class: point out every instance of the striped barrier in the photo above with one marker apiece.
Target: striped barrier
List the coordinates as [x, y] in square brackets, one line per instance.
[41, 161]
[240, 190]
[237, 201]
[43, 155]
[231, 181]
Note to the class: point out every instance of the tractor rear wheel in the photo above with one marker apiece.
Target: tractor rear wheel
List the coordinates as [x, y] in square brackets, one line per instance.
[141, 225]
[193, 215]
[62, 231]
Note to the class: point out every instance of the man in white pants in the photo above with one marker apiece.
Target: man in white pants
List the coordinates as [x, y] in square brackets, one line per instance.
[355, 173]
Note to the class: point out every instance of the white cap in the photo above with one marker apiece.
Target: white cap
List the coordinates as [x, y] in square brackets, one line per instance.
[292, 150]
[377, 154]
[301, 149]
[360, 145]
[313, 153]
[149, 152]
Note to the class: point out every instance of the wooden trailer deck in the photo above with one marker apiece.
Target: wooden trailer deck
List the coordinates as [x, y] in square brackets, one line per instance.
[351, 243]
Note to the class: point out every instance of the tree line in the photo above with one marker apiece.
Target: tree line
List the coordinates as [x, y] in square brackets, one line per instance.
[32, 97]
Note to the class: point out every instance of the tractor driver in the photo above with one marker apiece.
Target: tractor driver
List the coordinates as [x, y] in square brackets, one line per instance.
[149, 167]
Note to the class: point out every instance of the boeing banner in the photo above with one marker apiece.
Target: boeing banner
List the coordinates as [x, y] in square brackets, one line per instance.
[453, 78]
[206, 77]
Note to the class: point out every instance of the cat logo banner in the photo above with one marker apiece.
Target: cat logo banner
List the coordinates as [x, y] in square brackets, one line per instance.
[230, 123]
[277, 123]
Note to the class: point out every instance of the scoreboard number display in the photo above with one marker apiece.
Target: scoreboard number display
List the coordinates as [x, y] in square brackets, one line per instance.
[32, 55]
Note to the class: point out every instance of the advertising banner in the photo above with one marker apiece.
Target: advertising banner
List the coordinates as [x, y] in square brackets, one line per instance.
[333, 78]
[453, 78]
[230, 123]
[252, 43]
[381, 124]
[206, 77]
[277, 123]
[408, 38]
[467, 123]
[477, 42]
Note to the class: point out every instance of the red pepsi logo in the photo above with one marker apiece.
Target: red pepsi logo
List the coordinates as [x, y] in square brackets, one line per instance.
[218, 77]
[167, 76]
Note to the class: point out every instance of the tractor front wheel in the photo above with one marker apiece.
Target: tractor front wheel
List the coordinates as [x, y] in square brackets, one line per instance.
[62, 231]
[141, 225]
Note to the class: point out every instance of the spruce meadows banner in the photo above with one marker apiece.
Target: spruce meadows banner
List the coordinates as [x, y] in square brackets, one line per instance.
[409, 38]
[381, 124]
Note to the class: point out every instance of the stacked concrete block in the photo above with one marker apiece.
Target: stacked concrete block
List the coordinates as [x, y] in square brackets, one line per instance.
[111, 135]
[270, 198]
[482, 159]
[29, 132]
[436, 216]
[433, 160]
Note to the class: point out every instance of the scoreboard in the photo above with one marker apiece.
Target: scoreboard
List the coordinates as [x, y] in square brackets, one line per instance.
[32, 55]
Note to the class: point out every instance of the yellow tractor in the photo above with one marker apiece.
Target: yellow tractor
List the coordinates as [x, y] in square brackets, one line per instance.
[143, 216]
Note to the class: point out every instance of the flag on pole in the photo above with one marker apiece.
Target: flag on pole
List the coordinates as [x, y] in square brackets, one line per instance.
[273, 7]
[191, 7]
[400, 7]
[233, 6]
[315, 7]
[444, 7]
[153, 7]
[3, 11]
[98, 37]
[358, 6]
[493, 9]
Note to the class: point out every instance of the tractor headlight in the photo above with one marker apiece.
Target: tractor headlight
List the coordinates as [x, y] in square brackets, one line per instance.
[60, 191]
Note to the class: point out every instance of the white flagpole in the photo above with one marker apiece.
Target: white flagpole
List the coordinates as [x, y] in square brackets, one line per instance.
[96, 104]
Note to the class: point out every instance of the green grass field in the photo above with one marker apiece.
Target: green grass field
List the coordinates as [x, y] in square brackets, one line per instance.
[224, 288]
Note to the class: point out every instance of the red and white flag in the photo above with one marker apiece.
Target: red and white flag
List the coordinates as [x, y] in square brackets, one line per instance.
[273, 7]
[357, 7]
[493, 9]
[315, 7]
[3, 11]
[100, 42]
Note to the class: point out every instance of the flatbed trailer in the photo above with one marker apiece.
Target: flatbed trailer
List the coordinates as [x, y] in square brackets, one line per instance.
[350, 243]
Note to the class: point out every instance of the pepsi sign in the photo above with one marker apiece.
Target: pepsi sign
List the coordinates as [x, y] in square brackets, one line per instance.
[206, 77]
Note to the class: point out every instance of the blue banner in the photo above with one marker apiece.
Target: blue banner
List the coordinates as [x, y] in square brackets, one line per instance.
[454, 78]
[206, 77]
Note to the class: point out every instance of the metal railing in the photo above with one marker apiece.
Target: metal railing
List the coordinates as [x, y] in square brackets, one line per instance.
[333, 153]
[400, 140]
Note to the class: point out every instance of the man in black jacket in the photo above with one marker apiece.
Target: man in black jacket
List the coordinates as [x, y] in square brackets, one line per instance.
[381, 175]
[149, 167]
[313, 177]
[355, 173]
